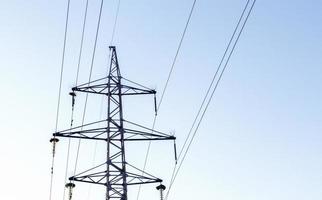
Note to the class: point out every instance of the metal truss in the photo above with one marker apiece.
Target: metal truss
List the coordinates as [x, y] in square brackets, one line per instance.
[133, 132]
[97, 175]
[115, 174]
[100, 86]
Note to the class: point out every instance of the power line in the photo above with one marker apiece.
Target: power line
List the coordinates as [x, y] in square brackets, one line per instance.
[213, 79]
[208, 90]
[89, 78]
[115, 21]
[167, 83]
[59, 94]
[62, 65]
[73, 95]
[215, 88]
[177, 52]
[82, 42]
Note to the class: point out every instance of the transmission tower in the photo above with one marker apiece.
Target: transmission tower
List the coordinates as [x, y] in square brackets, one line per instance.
[115, 174]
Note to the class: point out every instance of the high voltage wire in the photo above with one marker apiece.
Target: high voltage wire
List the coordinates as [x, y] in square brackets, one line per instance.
[89, 78]
[59, 93]
[62, 64]
[177, 52]
[115, 21]
[209, 88]
[167, 83]
[82, 42]
[214, 89]
[213, 79]
[76, 82]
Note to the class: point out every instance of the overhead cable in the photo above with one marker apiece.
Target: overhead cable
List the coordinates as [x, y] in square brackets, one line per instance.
[89, 78]
[176, 171]
[59, 93]
[115, 21]
[167, 83]
[73, 94]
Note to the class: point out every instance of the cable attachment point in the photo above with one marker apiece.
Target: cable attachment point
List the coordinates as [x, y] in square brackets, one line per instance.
[54, 141]
[161, 188]
[70, 187]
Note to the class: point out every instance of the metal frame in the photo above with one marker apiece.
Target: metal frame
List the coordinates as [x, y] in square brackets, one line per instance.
[115, 174]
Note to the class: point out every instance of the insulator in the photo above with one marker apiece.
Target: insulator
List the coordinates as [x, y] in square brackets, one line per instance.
[161, 188]
[54, 141]
[155, 105]
[73, 94]
[70, 187]
[175, 151]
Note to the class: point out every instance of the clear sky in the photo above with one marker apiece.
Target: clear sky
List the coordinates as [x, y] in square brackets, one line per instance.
[260, 139]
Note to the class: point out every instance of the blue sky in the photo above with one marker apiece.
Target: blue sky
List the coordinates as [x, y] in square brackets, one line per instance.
[260, 139]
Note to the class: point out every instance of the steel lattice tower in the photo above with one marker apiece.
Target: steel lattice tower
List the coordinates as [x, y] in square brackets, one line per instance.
[115, 174]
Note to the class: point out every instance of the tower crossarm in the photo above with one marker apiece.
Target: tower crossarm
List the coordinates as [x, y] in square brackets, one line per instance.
[134, 132]
[102, 86]
[97, 175]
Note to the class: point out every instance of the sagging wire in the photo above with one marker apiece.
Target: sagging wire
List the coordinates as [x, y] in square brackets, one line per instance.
[73, 94]
[167, 83]
[176, 171]
[54, 140]
[89, 79]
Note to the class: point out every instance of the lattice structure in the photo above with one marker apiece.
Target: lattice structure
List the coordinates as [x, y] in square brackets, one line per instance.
[115, 174]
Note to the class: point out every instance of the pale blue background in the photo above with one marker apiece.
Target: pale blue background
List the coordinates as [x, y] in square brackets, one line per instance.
[260, 140]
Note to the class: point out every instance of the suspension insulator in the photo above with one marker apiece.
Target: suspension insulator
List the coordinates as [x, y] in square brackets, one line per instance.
[161, 188]
[155, 105]
[73, 94]
[175, 151]
[54, 141]
[70, 187]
